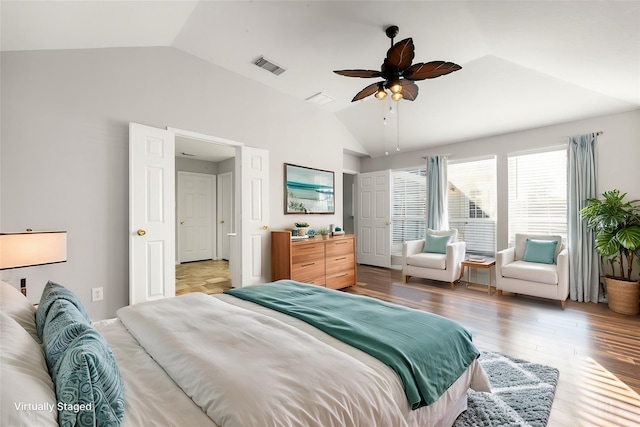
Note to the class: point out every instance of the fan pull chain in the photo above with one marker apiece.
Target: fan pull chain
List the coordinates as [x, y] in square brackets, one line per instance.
[398, 127]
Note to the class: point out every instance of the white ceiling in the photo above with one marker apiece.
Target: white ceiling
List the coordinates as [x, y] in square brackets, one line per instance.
[525, 64]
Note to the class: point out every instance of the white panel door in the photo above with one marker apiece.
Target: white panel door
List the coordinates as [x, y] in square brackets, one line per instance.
[151, 213]
[225, 213]
[254, 208]
[196, 204]
[374, 219]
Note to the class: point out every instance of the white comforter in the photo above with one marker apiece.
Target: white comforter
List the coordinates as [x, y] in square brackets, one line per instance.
[246, 369]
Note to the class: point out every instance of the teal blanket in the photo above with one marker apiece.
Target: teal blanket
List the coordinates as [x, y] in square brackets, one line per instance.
[429, 352]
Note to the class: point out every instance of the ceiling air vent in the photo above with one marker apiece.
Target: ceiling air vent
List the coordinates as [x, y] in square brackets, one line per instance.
[320, 99]
[268, 65]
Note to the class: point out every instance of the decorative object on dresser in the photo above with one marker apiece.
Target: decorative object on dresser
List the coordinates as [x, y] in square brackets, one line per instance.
[330, 263]
[308, 190]
[301, 228]
[324, 232]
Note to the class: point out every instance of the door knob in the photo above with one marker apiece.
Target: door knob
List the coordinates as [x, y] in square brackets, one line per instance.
[264, 227]
[222, 222]
[387, 223]
[141, 232]
[181, 222]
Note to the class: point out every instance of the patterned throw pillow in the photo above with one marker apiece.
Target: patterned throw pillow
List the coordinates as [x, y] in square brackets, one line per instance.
[52, 292]
[88, 384]
[64, 324]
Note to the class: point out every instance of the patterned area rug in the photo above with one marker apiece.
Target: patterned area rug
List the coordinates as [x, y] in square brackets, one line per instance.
[522, 394]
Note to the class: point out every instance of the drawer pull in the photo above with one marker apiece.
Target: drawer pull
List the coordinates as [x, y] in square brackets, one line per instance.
[342, 275]
[307, 265]
[308, 247]
[338, 259]
[341, 243]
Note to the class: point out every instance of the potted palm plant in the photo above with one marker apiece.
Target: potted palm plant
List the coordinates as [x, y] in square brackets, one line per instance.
[616, 224]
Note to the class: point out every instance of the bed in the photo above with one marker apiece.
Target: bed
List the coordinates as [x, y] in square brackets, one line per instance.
[203, 360]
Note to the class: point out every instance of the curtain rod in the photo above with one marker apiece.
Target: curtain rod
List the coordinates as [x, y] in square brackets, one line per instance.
[595, 133]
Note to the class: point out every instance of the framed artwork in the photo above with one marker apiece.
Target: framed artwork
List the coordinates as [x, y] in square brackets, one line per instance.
[308, 190]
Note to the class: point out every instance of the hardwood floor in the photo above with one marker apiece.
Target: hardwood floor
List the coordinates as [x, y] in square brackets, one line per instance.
[596, 350]
[210, 277]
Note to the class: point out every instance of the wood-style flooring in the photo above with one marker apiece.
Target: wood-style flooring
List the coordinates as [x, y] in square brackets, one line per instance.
[210, 277]
[596, 350]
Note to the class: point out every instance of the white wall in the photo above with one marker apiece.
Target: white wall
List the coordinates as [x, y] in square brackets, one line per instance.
[618, 155]
[64, 151]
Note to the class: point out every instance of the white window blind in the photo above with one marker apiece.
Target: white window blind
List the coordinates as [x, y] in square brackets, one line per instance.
[472, 203]
[538, 193]
[409, 194]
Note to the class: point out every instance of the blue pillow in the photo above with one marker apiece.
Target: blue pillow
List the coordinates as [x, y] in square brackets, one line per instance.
[64, 324]
[89, 388]
[540, 251]
[436, 244]
[52, 292]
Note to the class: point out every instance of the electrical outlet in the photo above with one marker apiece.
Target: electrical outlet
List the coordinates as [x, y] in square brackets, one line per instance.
[97, 294]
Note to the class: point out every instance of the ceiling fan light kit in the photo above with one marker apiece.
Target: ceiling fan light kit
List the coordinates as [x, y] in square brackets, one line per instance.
[398, 72]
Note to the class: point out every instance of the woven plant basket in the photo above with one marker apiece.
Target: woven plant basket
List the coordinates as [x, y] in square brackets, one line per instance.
[624, 296]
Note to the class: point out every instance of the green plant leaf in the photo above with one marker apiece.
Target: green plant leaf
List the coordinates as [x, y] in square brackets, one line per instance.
[607, 245]
[629, 238]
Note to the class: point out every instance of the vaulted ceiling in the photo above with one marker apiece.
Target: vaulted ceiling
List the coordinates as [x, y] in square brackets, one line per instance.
[525, 64]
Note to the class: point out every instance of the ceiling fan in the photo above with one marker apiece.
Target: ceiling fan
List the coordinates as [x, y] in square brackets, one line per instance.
[398, 73]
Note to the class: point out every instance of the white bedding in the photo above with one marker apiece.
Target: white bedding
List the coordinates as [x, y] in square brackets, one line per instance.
[151, 397]
[210, 347]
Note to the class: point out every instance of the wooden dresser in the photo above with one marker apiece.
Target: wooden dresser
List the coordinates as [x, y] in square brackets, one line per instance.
[330, 263]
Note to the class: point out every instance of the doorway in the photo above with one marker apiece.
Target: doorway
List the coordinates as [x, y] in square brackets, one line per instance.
[152, 222]
[204, 215]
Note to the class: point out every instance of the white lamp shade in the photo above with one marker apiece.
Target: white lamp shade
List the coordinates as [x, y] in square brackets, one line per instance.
[32, 248]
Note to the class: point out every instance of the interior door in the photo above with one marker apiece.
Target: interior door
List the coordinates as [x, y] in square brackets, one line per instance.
[151, 213]
[374, 219]
[196, 203]
[254, 208]
[225, 213]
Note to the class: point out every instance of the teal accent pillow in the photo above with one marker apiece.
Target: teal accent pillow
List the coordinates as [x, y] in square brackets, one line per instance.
[89, 388]
[51, 293]
[64, 324]
[540, 251]
[436, 244]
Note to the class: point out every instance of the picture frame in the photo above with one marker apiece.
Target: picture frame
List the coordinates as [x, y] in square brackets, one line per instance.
[308, 190]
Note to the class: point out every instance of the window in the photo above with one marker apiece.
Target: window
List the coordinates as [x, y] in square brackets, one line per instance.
[538, 193]
[409, 199]
[472, 203]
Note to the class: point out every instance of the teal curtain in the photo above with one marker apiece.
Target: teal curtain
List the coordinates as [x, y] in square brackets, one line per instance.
[584, 279]
[437, 218]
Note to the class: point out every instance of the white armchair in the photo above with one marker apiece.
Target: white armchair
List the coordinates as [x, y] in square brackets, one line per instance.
[513, 274]
[436, 266]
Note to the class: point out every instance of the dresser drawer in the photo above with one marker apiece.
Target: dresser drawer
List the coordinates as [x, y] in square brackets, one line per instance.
[308, 252]
[339, 264]
[308, 271]
[339, 247]
[341, 279]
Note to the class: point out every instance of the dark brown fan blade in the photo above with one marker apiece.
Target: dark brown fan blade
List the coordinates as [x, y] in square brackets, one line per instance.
[369, 90]
[400, 55]
[409, 90]
[365, 74]
[429, 70]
